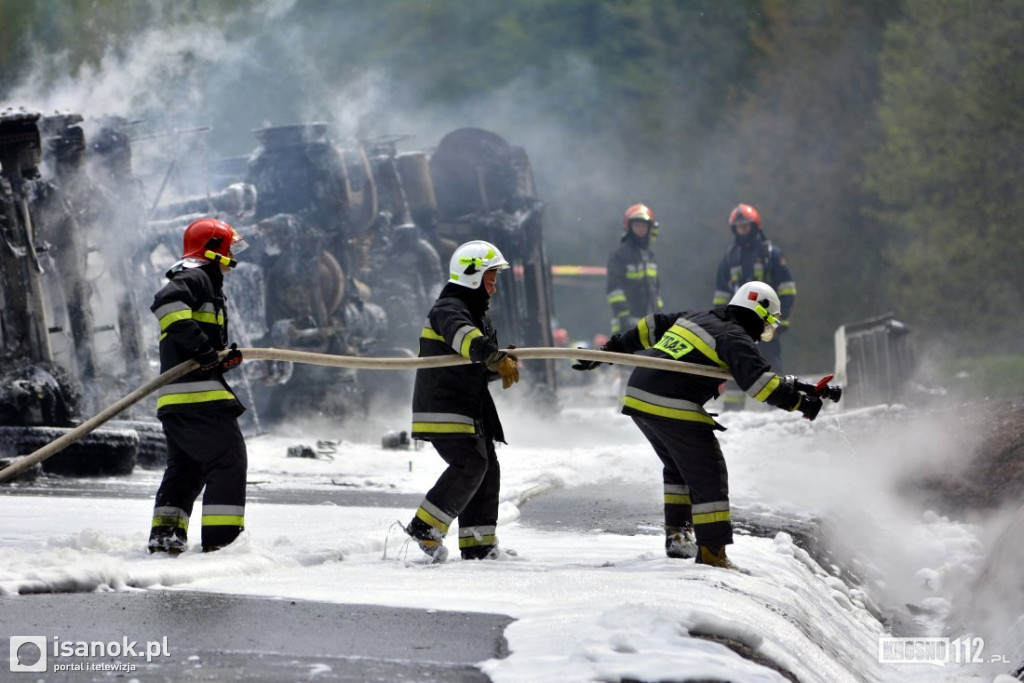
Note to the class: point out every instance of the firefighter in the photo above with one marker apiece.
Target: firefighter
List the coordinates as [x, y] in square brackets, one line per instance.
[632, 271]
[668, 407]
[753, 257]
[199, 411]
[453, 409]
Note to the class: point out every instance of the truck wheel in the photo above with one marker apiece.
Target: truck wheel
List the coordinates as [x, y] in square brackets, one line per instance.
[102, 452]
[152, 443]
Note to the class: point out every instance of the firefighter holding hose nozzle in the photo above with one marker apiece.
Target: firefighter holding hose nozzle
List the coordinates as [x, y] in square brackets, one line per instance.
[668, 408]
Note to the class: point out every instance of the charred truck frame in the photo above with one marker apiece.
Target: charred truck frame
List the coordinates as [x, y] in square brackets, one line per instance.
[351, 246]
[356, 242]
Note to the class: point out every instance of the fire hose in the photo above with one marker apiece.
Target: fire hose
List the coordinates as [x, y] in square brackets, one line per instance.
[355, 362]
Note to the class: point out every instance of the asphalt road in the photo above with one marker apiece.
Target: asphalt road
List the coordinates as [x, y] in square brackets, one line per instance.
[213, 637]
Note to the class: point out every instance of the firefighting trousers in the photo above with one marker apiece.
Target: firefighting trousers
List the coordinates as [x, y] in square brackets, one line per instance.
[695, 478]
[467, 490]
[203, 449]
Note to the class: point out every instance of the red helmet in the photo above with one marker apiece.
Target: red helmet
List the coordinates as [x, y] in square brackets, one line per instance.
[745, 213]
[212, 240]
[637, 212]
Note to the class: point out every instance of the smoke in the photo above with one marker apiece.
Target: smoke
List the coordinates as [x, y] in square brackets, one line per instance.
[269, 65]
[937, 565]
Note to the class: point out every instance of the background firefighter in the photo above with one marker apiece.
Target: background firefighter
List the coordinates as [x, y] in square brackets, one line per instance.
[453, 409]
[753, 258]
[199, 411]
[632, 286]
[668, 408]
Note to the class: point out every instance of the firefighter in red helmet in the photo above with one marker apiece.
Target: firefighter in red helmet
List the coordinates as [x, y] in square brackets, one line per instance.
[753, 258]
[199, 411]
[632, 286]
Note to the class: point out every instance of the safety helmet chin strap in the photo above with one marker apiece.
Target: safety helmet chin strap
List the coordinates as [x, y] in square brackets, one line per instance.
[770, 323]
[763, 313]
[221, 259]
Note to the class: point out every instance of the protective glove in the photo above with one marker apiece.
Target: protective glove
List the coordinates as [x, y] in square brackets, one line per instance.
[208, 360]
[810, 406]
[585, 364]
[614, 344]
[506, 365]
[232, 359]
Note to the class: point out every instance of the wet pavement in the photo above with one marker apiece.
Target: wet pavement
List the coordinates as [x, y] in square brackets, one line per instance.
[188, 636]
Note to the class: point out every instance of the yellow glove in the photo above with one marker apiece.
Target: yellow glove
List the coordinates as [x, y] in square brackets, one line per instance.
[506, 365]
[508, 370]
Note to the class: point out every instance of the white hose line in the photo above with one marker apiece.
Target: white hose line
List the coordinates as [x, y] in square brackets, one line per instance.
[370, 363]
[357, 362]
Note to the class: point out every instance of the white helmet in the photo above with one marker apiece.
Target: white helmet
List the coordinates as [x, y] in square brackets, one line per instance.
[762, 300]
[471, 260]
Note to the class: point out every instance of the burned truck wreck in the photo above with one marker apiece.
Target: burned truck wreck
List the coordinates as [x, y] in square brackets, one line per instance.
[350, 247]
[69, 342]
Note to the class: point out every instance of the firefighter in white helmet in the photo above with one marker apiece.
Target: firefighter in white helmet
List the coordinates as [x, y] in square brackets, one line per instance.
[668, 407]
[453, 409]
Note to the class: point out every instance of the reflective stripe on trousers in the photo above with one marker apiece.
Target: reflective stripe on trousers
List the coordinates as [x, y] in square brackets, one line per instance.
[475, 536]
[434, 516]
[224, 515]
[170, 516]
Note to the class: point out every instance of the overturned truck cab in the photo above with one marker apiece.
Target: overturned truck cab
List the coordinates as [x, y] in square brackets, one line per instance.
[47, 328]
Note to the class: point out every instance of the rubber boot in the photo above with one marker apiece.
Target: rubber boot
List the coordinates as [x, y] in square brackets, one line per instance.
[714, 557]
[680, 543]
[166, 540]
[429, 539]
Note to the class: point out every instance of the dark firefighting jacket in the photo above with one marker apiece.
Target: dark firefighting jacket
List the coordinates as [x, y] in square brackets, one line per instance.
[454, 401]
[193, 320]
[706, 338]
[632, 285]
[755, 258]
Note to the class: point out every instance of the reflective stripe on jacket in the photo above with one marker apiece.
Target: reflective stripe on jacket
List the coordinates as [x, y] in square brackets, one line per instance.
[633, 285]
[192, 316]
[704, 338]
[454, 401]
[761, 261]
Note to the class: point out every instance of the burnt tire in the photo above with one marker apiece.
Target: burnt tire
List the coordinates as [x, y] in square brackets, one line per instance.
[102, 452]
[152, 442]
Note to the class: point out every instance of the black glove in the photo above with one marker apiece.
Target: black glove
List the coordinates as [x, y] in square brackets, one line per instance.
[232, 359]
[586, 364]
[614, 344]
[810, 406]
[208, 360]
